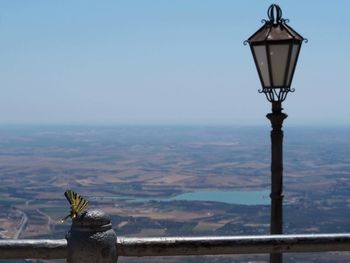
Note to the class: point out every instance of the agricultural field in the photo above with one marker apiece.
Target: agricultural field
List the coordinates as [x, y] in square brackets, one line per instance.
[135, 174]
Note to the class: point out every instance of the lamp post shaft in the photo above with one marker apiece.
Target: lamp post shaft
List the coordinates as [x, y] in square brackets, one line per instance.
[276, 225]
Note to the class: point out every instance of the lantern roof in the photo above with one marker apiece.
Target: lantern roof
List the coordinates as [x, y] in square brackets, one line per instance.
[275, 29]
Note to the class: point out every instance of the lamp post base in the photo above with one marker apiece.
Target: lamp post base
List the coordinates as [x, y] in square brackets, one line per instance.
[276, 258]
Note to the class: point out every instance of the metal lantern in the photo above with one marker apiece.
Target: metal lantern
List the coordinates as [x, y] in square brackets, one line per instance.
[275, 47]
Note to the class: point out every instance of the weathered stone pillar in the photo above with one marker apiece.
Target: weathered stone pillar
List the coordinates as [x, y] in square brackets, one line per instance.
[91, 239]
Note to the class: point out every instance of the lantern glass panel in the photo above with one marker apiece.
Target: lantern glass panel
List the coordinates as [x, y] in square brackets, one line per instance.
[262, 64]
[293, 60]
[279, 59]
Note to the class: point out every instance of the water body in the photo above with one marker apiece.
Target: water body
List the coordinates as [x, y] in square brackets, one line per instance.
[231, 197]
[260, 197]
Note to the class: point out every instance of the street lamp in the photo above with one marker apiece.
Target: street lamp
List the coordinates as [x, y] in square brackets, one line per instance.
[275, 48]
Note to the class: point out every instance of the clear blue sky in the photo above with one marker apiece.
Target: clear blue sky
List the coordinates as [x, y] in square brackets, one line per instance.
[164, 62]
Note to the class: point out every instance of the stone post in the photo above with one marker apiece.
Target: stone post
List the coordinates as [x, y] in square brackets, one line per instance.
[91, 239]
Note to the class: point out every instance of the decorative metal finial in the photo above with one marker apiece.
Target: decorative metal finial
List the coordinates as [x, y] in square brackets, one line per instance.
[275, 14]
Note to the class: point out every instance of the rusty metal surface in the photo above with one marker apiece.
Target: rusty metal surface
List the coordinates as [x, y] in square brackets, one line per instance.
[172, 246]
[33, 248]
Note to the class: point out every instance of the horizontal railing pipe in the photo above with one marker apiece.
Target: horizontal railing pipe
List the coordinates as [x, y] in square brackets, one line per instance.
[184, 246]
[221, 245]
[33, 248]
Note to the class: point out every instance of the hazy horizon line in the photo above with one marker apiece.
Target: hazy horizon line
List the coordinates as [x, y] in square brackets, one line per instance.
[315, 125]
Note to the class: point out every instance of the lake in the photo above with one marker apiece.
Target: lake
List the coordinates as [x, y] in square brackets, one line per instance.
[260, 197]
[257, 197]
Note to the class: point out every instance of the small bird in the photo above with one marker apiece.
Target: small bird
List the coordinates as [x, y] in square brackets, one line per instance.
[77, 204]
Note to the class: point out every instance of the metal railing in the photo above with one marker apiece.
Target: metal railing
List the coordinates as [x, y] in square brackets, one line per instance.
[185, 246]
[93, 239]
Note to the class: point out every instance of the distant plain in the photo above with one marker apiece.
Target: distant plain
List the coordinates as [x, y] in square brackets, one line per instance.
[150, 163]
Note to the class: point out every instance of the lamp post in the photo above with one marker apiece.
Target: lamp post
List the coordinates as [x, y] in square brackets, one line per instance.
[275, 48]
